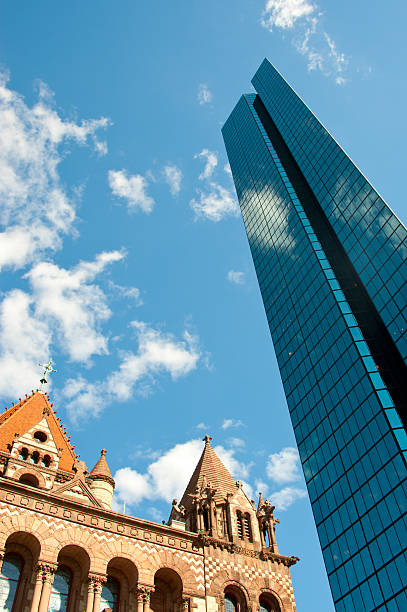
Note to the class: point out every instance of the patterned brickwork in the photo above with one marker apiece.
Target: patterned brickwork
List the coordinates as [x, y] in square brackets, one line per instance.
[253, 572]
[102, 546]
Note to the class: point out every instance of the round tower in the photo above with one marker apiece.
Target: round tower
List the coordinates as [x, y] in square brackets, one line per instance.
[101, 482]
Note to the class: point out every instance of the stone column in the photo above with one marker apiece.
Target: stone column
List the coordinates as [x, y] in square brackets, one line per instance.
[48, 572]
[37, 589]
[139, 597]
[97, 589]
[146, 592]
[90, 597]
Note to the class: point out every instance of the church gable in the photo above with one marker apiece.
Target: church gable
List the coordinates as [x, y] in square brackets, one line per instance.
[21, 419]
[77, 490]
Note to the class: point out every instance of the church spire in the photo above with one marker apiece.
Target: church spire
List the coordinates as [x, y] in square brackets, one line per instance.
[209, 472]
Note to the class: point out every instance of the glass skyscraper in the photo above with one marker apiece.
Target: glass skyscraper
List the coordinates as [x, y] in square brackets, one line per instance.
[331, 261]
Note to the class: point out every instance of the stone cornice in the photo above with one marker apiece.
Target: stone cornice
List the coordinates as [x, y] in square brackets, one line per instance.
[264, 555]
[44, 502]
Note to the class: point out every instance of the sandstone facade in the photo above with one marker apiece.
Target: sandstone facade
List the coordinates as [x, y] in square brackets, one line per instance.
[63, 548]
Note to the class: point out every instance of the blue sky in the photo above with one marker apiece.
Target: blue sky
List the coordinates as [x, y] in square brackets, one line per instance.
[123, 254]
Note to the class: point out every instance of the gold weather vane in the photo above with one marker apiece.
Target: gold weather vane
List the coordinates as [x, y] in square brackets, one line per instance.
[48, 370]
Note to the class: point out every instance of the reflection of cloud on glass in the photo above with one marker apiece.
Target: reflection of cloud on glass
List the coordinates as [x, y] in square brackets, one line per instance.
[269, 223]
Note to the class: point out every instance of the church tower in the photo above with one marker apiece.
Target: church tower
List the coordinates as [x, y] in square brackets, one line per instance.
[63, 547]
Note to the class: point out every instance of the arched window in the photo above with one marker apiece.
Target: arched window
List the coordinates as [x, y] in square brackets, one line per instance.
[40, 436]
[230, 604]
[239, 524]
[247, 527]
[46, 460]
[29, 479]
[110, 595]
[23, 454]
[35, 457]
[268, 603]
[9, 579]
[60, 590]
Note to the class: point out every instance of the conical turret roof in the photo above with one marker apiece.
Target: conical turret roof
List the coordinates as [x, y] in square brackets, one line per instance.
[209, 470]
[101, 471]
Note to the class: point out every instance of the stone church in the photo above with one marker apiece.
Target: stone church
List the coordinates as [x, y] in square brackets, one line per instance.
[63, 548]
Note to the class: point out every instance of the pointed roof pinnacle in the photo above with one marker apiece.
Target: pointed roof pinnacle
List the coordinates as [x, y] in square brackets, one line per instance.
[209, 469]
[101, 471]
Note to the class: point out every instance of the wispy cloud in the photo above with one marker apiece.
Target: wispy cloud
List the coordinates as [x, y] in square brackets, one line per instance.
[36, 209]
[158, 353]
[132, 188]
[283, 467]
[235, 277]
[204, 94]
[210, 163]
[173, 177]
[284, 13]
[215, 204]
[227, 423]
[202, 426]
[284, 498]
[236, 442]
[310, 39]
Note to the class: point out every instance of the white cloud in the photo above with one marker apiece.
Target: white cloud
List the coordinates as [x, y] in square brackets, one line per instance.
[64, 307]
[158, 354]
[204, 94]
[237, 278]
[24, 342]
[282, 467]
[72, 305]
[311, 39]
[132, 293]
[131, 487]
[210, 165]
[132, 188]
[35, 209]
[167, 477]
[227, 423]
[228, 170]
[284, 498]
[215, 204]
[236, 442]
[262, 487]
[173, 176]
[284, 13]
[202, 426]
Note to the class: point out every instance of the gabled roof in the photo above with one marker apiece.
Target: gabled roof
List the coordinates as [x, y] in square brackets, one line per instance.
[26, 414]
[209, 469]
[101, 470]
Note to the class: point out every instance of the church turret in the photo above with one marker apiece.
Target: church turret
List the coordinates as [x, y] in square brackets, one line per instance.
[216, 505]
[101, 481]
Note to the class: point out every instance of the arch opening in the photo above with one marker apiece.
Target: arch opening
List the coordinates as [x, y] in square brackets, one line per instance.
[168, 590]
[234, 599]
[61, 589]
[268, 603]
[10, 577]
[29, 479]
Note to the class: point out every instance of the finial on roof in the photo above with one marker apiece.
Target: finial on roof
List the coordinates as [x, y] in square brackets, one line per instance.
[207, 439]
[103, 452]
[48, 370]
